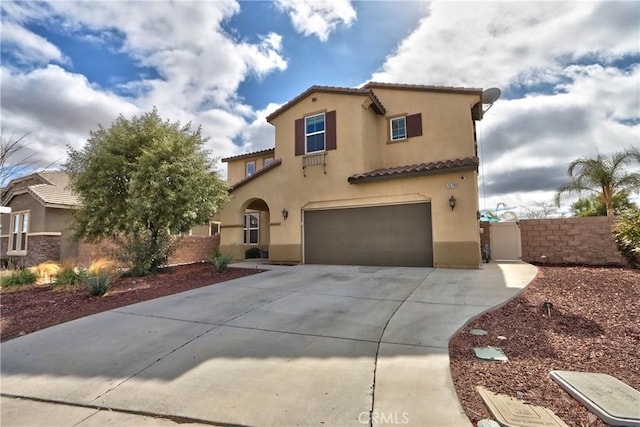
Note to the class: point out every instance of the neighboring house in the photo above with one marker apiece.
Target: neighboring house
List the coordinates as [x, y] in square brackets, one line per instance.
[386, 174]
[39, 225]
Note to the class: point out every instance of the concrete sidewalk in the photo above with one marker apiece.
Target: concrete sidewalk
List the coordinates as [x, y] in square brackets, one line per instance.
[303, 345]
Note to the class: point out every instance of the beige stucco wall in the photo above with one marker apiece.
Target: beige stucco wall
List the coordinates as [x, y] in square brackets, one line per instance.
[362, 145]
[236, 170]
[447, 128]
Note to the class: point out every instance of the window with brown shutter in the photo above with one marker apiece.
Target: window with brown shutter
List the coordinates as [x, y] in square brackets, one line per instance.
[316, 133]
[299, 136]
[331, 133]
[414, 125]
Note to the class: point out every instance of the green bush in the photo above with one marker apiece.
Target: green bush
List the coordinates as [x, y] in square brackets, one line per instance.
[252, 253]
[98, 285]
[20, 277]
[220, 261]
[626, 233]
[70, 278]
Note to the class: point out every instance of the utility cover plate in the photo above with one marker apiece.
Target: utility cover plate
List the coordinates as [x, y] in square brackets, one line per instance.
[478, 332]
[490, 353]
[511, 412]
[615, 402]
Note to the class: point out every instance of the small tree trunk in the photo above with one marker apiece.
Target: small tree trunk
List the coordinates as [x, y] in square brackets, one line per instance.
[610, 211]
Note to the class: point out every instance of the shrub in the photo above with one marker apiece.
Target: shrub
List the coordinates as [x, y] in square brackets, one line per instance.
[220, 261]
[626, 233]
[46, 270]
[252, 253]
[98, 284]
[69, 275]
[102, 266]
[20, 277]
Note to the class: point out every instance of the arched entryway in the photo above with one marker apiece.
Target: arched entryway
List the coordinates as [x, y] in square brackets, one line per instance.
[255, 233]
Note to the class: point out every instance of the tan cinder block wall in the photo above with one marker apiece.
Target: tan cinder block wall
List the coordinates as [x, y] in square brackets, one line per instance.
[190, 249]
[194, 249]
[570, 241]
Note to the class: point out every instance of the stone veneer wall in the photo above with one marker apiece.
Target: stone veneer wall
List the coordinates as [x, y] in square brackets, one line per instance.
[570, 241]
[39, 249]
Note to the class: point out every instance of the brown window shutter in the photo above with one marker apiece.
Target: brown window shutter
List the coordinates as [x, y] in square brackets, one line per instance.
[299, 137]
[330, 130]
[414, 125]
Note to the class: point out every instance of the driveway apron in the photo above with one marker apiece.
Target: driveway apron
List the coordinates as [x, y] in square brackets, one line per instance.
[304, 345]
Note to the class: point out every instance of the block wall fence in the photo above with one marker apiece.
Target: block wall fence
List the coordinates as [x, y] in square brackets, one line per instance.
[190, 249]
[567, 241]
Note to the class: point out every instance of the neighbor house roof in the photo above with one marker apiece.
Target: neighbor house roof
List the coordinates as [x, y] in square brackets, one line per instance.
[376, 105]
[432, 168]
[52, 190]
[248, 155]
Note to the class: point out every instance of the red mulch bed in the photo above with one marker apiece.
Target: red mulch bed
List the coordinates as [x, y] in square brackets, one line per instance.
[38, 307]
[594, 326]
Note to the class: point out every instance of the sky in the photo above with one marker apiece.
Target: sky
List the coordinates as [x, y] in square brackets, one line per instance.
[569, 72]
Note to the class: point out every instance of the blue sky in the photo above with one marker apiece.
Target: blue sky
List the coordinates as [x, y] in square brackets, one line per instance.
[569, 72]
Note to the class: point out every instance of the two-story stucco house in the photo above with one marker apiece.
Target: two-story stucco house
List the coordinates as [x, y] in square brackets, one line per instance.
[385, 174]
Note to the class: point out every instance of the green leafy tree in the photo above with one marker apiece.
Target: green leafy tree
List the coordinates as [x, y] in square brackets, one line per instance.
[626, 233]
[607, 176]
[594, 205]
[140, 180]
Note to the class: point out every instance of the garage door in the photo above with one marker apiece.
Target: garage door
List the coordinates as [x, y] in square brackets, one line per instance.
[396, 235]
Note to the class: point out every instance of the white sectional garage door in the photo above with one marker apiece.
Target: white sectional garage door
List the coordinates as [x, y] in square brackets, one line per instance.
[395, 235]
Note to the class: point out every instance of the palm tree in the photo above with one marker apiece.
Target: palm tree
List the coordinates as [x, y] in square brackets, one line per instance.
[603, 175]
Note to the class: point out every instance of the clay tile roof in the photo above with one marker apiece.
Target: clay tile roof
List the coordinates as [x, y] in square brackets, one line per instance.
[443, 166]
[252, 154]
[377, 106]
[51, 189]
[450, 89]
[56, 192]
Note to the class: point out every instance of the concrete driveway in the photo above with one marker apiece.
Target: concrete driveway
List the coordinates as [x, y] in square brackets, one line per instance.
[304, 345]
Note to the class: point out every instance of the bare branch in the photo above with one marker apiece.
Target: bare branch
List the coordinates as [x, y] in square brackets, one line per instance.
[14, 159]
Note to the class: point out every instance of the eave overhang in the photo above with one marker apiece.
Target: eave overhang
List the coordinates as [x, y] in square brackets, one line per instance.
[258, 173]
[422, 169]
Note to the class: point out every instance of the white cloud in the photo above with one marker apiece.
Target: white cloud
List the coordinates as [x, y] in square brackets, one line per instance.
[318, 17]
[482, 44]
[198, 63]
[28, 47]
[260, 135]
[56, 108]
[200, 69]
[527, 143]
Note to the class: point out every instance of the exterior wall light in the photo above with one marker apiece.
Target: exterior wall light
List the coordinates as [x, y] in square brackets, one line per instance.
[285, 213]
[452, 202]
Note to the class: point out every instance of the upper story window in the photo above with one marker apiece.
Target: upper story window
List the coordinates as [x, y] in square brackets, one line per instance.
[250, 168]
[405, 127]
[19, 229]
[267, 161]
[314, 133]
[398, 128]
